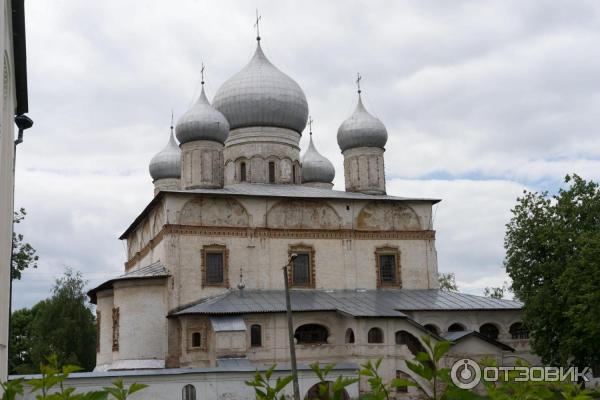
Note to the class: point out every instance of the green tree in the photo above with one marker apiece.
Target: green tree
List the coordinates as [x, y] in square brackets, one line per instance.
[553, 257]
[448, 282]
[23, 256]
[64, 325]
[497, 292]
[21, 340]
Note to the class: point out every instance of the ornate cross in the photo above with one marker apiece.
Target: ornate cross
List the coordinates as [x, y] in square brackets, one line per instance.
[358, 79]
[258, 17]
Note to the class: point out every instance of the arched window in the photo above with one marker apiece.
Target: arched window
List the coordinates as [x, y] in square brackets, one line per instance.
[243, 172]
[489, 330]
[315, 392]
[311, 334]
[271, 172]
[255, 335]
[349, 335]
[456, 327]
[188, 392]
[433, 329]
[518, 331]
[294, 173]
[375, 335]
[409, 340]
[196, 339]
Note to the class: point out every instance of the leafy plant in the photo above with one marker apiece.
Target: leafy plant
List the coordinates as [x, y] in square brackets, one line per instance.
[11, 389]
[327, 389]
[262, 386]
[121, 392]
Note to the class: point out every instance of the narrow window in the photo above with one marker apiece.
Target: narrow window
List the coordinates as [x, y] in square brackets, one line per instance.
[115, 330]
[518, 331]
[294, 173]
[271, 172]
[214, 268]
[489, 330]
[301, 270]
[311, 334]
[243, 172]
[349, 335]
[196, 339]
[188, 392]
[375, 335]
[255, 335]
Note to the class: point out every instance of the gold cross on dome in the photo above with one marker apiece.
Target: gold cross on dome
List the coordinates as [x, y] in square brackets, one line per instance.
[256, 25]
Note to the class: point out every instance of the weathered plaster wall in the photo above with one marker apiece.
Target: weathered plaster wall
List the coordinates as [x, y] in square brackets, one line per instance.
[104, 306]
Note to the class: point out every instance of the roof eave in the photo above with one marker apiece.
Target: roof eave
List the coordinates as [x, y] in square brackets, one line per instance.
[20, 56]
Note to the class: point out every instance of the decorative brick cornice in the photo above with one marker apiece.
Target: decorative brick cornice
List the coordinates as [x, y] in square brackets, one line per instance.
[220, 231]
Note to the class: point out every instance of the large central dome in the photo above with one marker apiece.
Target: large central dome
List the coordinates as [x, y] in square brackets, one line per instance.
[262, 95]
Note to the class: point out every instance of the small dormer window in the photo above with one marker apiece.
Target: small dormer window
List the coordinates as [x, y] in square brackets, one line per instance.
[271, 172]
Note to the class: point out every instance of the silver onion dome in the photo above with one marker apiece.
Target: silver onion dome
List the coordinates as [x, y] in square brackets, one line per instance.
[315, 167]
[262, 95]
[361, 130]
[167, 162]
[202, 122]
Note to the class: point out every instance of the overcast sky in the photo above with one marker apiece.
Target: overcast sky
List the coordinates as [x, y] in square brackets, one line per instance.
[481, 100]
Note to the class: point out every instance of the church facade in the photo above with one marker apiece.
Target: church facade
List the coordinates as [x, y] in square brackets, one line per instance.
[235, 202]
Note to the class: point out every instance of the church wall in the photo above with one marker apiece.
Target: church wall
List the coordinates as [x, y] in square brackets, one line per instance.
[104, 307]
[142, 311]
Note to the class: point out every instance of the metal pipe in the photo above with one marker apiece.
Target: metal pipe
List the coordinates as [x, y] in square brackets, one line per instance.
[290, 323]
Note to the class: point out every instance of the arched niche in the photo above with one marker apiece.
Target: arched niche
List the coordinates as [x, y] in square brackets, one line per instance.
[214, 211]
[303, 214]
[387, 216]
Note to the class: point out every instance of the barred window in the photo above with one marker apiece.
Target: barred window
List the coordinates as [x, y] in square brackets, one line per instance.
[489, 330]
[375, 335]
[188, 392]
[311, 334]
[214, 267]
[301, 270]
[255, 335]
[387, 268]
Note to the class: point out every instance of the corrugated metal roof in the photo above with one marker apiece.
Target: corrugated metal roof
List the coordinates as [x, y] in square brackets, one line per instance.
[151, 271]
[228, 324]
[357, 303]
[234, 363]
[460, 335]
[299, 191]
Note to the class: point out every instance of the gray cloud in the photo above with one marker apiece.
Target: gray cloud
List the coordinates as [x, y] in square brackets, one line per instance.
[481, 99]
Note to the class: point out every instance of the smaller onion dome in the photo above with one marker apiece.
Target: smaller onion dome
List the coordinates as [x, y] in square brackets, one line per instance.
[315, 167]
[167, 163]
[361, 130]
[202, 122]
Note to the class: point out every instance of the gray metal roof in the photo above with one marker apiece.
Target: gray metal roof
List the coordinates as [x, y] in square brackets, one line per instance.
[296, 191]
[361, 129]
[151, 271]
[167, 162]
[228, 324]
[357, 303]
[202, 122]
[315, 166]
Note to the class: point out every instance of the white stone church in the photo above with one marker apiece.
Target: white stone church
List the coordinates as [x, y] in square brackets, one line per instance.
[203, 287]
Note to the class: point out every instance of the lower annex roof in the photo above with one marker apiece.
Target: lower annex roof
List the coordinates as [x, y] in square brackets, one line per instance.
[356, 303]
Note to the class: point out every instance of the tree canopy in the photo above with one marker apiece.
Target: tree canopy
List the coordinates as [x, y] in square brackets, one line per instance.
[23, 256]
[553, 257]
[63, 325]
[448, 282]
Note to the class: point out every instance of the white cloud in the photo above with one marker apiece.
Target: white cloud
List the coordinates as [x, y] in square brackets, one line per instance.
[493, 96]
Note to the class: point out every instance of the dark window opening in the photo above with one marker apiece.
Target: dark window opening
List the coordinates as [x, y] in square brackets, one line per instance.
[456, 327]
[301, 270]
[409, 340]
[188, 392]
[387, 268]
[349, 335]
[311, 334]
[271, 172]
[375, 335]
[255, 336]
[433, 329]
[294, 173]
[196, 339]
[489, 330]
[402, 375]
[243, 172]
[214, 267]
[518, 331]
